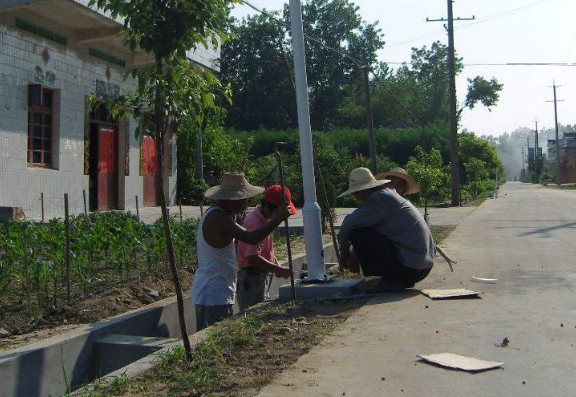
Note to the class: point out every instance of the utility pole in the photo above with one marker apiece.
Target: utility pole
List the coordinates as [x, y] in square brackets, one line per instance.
[536, 152]
[527, 154]
[454, 163]
[522, 169]
[558, 179]
[370, 121]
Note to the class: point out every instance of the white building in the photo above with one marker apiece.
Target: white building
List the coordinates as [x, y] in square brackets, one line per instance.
[53, 54]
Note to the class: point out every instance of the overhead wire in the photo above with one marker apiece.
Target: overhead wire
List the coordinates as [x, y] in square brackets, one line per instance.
[478, 21]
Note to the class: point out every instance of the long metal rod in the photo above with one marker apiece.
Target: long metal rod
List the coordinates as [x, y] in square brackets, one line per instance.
[329, 214]
[311, 210]
[286, 227]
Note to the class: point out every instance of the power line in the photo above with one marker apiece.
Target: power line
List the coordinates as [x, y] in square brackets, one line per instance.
[480, 20]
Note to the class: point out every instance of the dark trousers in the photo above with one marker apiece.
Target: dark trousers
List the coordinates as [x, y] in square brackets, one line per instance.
[250, 288]
[208, 315]
[378, 257]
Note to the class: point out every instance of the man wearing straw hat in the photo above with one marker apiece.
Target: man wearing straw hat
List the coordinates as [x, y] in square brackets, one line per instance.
[400, 181]
[214, 285]
[389, 236]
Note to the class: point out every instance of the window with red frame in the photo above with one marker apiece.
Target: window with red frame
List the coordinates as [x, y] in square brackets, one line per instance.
[40, 125]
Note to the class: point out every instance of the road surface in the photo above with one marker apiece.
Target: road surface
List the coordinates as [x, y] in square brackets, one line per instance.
[527, 240]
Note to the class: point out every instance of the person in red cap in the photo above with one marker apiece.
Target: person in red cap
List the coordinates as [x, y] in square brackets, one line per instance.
[256, 261]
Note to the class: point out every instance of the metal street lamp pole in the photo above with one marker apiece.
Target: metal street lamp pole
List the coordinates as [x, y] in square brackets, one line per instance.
[311, 210]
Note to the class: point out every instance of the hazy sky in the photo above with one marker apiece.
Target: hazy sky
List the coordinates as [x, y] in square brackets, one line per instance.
[504, 31]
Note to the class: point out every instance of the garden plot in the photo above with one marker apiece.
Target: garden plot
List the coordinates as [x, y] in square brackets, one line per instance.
[116, 264]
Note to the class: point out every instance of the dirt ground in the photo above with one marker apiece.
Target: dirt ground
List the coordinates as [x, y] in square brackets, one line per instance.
[106, 302]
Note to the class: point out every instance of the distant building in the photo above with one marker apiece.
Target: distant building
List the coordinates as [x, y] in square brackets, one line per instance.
[567, 149]
[53, 54]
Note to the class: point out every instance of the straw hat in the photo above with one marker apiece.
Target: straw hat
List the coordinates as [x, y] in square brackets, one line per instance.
[234, 187]
[362, 179]
[411, 184]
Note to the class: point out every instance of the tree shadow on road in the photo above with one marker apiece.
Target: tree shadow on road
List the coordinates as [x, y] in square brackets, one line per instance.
[546, 230]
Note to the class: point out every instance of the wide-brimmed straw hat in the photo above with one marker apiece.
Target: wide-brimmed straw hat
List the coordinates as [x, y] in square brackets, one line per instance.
[411, 184]
[234, 187]
[362, 179]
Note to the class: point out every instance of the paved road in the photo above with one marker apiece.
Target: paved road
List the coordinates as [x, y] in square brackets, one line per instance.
[438, 216]
[527, 240]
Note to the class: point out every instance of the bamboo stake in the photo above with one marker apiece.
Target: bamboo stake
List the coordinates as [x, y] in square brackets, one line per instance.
[137, 209]
[42, 205]
[67, 225]
[27, 270]
[85, 206]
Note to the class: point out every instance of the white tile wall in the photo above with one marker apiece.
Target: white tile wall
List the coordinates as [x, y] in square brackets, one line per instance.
[76, 75]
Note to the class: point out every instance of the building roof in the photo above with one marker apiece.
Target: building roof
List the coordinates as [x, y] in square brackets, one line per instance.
[91, 25]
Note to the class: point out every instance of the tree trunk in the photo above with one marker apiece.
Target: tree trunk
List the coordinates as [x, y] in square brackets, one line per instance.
[161, 127]
[426, 209]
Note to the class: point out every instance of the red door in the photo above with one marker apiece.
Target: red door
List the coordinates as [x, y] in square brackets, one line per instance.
[149, 171]
[107, 169]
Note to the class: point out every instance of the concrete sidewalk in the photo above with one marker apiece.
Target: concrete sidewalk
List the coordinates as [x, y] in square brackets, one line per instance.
[438, 216]
[525, 239]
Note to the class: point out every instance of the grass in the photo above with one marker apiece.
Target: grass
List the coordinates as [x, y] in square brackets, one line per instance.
[439, 233]
[562, 187]
[474, 202]
[239, 356]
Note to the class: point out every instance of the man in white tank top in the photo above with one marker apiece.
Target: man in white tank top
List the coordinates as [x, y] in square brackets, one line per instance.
[214, 286]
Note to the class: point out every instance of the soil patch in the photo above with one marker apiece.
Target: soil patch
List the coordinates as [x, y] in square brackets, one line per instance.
[109, 299]
[241, 355]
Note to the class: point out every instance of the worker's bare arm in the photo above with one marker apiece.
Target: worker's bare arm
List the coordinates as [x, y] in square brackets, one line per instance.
[221, 229]
[260, 263]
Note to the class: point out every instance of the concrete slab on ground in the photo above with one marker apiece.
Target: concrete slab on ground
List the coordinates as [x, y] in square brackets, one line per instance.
[337, 288]
[525, 239]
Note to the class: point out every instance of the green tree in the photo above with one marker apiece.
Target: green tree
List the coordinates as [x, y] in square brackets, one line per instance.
[258, 64]
[477, 174]
[431, 174]
[172, 92]
[471, 147]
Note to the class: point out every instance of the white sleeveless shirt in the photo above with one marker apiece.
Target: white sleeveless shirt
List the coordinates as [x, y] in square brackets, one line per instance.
[214, 282]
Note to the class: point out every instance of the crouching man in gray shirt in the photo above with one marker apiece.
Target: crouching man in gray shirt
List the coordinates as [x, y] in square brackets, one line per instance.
[389, 236]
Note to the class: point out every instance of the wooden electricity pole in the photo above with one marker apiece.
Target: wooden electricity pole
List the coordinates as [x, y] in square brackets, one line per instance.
[558, 178]
[536, 179]
[454, 163]
[370, 121]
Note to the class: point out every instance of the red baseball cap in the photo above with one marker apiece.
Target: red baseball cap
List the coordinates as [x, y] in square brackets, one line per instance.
[272, 195]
